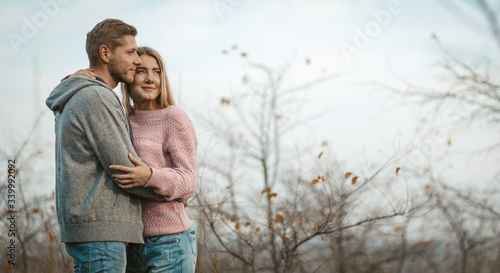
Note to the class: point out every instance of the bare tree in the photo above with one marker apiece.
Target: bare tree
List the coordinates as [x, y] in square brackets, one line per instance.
[37, 246]
[472, 97]
[261, 206]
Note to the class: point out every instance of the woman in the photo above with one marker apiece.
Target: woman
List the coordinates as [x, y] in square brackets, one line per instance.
[164, 138]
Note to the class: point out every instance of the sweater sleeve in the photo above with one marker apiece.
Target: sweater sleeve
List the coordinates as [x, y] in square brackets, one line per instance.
[106, 129]
[179, 181]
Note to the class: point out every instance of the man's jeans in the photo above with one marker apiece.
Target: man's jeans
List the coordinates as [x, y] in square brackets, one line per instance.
[94, 257]
[175, 253]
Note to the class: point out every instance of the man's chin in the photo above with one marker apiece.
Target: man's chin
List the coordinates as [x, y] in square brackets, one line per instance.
[127, 79]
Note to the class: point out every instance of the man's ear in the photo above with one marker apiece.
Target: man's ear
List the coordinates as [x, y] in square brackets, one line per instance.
[104, 53]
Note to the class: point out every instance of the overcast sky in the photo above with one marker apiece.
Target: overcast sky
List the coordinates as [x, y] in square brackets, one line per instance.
[367, 40]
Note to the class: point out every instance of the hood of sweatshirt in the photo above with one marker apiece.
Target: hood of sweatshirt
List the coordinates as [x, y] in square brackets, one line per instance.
[63, 92]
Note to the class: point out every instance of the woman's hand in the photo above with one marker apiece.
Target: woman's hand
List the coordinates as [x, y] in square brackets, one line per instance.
[88, 72]
[133, 177]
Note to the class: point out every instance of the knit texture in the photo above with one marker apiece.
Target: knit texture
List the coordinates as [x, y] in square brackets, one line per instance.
[166, 141]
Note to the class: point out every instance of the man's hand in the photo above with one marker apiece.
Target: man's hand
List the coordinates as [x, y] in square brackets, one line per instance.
[133, 177]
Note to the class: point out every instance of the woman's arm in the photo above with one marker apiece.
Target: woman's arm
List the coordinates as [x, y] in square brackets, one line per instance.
[179, 181]
[87, 72]
[174, 183]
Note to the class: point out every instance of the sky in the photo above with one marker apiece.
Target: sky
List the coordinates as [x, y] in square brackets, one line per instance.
[365, 41]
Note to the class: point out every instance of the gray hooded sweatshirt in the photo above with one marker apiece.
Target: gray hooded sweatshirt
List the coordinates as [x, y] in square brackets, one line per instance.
[92, 132]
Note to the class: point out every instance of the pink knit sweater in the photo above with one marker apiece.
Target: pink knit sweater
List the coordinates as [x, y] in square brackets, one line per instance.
[166, 141]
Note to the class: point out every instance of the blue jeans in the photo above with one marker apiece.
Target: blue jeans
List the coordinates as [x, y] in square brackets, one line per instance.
[91, 257]
[175, 253]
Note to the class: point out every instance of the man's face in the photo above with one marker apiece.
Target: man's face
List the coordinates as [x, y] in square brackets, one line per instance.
[123, 61]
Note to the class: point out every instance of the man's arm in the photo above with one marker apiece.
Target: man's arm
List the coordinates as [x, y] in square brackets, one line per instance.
[106, 126]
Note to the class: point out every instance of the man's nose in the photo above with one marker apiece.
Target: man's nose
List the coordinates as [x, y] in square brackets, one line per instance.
[137, 60]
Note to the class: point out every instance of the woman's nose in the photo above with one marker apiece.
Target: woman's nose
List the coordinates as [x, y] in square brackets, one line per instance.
[149, 77]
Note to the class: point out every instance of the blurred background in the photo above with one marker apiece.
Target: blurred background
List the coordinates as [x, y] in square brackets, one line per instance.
[369, 128]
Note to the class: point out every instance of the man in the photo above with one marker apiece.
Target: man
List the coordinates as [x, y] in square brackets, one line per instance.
[96, 217]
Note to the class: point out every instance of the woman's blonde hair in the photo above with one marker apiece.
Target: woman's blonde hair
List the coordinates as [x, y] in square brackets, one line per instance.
[165, 98]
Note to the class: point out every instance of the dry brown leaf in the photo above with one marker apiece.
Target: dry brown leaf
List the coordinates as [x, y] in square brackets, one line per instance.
[286, 239]
[299, 221]
[233, 218]
[320, 154]
[257, 229]
[354, 180]
[347, 175]
[428, 189]
[247, 224]
[237, 226]
[398, 229]
[265, 190]
[272, 195]
[397, 170]
[314, 181]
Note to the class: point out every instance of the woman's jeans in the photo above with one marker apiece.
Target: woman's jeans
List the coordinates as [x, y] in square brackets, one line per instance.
[174, 253]
[92, 257]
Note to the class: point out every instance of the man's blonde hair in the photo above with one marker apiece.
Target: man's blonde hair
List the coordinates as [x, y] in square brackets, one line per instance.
[110, 33]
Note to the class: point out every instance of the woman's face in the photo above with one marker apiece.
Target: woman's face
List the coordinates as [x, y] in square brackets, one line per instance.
[146, 85]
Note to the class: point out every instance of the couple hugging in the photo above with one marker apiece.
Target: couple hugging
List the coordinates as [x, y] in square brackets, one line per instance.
[123, 170]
